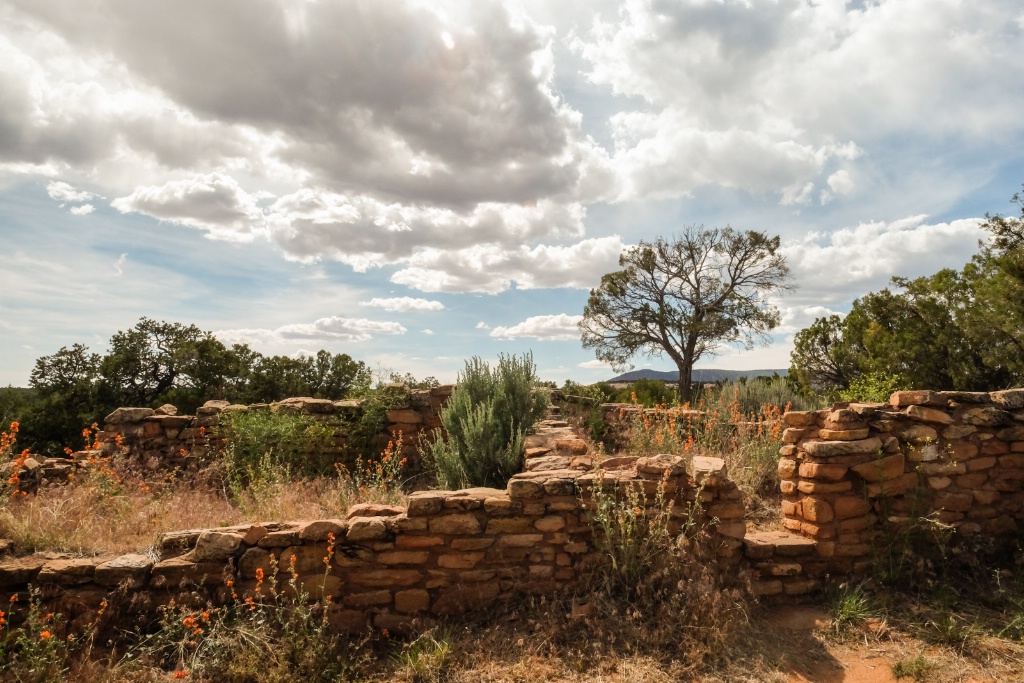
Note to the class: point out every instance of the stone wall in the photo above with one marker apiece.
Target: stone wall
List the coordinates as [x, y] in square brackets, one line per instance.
[859, 472]
[400, 567]
[161, 438]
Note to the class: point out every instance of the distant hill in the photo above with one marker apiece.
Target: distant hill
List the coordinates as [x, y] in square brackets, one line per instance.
[701, 375]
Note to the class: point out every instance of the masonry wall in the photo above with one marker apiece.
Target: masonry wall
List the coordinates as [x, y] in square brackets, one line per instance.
[400, 567]
[857, 472]
[161, 438]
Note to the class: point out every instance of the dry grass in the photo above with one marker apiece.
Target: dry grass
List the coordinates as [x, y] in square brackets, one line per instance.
[88, 518]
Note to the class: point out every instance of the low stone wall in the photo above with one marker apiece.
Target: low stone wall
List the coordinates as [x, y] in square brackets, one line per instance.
[857, 472]
[161, 438]
[399, 567]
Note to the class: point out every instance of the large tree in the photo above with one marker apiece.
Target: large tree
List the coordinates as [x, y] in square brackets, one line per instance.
[685, 297]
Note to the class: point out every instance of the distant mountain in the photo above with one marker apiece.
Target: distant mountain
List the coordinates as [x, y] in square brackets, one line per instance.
[699, 375]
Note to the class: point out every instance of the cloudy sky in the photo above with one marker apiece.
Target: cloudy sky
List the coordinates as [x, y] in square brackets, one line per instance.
[415, 182]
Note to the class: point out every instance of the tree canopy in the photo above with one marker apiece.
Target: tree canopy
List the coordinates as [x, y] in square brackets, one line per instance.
[160, 362]
[961, 330]
[685, 297]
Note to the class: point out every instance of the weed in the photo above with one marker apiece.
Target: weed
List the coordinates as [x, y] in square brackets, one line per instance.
[850, 606]
[427, 658]
[283, 439]
[916, 668]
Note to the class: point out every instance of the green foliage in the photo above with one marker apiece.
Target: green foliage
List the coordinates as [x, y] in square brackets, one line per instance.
[426, 659]
[957, 330]
[850, 606]
[916, 668]
[485, 421]
[685, 297]
[648, 393]
[751, 395]
[260, 443]
[160, 362]
[872, 387]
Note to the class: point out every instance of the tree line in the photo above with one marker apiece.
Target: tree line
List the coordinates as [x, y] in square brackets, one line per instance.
[165, 362]
[955, 330]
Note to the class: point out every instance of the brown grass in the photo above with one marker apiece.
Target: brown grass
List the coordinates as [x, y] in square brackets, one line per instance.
[92, 516]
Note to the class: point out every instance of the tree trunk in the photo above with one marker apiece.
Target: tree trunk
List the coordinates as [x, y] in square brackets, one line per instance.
[685, 381]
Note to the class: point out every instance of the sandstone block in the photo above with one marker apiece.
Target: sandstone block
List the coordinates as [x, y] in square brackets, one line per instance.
[892, 487]
[362, 529]
[215, 546]
[791, 508]
[817, 510]
[128, 415]
[373, 510]
[881, 469]
[733, 529]
[787, 468]
[471, 543]
[707, 470]
[132, 569]
[763, 588]
[661, 464]
[961, 450]
[425, 503]
[403, 557]
[829, 472]
[850, 506]
[827, 449]
[793, 435]
[520, 489]
[958, 431]
[251, 560]
[460, 560]
[410, 601]
[928, 415]
[939, 483]
[727, 510]
[955, 502]
[1001, 526]
[901, 399]
[461, 599]
[944, 468]
[970, 481]
[385, 578]
[412, 542]
[787, 487]
[368, 598]
[986, 416]
[919, 434]
[520, 540]
[800, 418]
[1009, 399]
[320, 529]
[819, 488]
[788, 451]
[1015, 433]
[844, 434]
[550, 523]
[985, 497]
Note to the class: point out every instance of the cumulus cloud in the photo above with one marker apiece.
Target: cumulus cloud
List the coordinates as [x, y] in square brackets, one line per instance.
[212, 202]
[837, 266]
[491, 269]
[334, 328]
[404, 304]
[482, 326]
[63, 192]
[594, 364]
[721, 104]
[83, 210]
[561, 327]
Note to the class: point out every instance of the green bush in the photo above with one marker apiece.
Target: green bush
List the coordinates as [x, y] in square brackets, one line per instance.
[260, 443]
[750, 395]
[872, 386]
[484, 423]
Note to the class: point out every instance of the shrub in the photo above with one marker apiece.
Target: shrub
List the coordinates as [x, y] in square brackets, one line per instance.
[484, 423]
[260, 443]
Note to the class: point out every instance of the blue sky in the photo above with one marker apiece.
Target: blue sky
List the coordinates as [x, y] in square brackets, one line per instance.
[413, 183]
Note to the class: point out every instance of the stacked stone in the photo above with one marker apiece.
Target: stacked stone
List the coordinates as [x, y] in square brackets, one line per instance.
[399, 568]
[163, 439]
[783, 563]
[957, 457]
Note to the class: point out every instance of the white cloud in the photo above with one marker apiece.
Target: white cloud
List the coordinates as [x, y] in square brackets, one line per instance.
[119, 265]
[482, 326]
[594, 364]
[213, 202]
[404, 304]
[838, 266]
[427, 331]
[83, 210]
[334, 328]
[561, 327]
[491, 269]
[62, 192]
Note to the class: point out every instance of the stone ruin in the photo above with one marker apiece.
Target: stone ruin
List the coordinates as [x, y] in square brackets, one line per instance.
[849, 475]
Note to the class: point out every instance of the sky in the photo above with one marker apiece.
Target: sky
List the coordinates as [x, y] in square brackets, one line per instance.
[414, 183]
